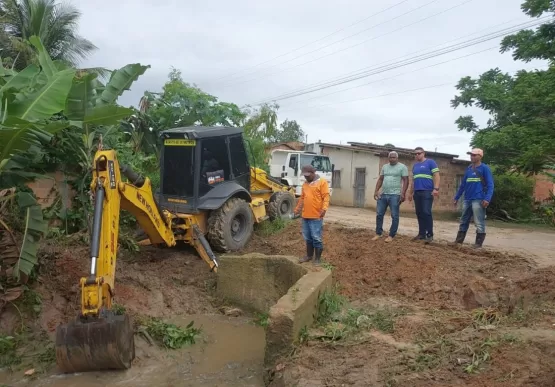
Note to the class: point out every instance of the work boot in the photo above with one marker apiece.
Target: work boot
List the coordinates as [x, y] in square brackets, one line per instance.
[418, 238]
[480, 237]
[459, 240]
[318, 256]
[309, 253]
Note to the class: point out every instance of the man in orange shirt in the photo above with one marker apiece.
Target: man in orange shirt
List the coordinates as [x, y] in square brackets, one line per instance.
[315, 201]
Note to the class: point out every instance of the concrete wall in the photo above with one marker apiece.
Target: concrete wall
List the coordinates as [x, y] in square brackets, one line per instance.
[346, 162]
[256, 282]
[277, 285]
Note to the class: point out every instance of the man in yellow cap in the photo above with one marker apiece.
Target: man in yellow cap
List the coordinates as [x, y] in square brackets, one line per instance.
[477, 186]
[314, 200]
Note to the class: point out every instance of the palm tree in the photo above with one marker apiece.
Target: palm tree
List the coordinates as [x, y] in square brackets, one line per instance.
[54, 23]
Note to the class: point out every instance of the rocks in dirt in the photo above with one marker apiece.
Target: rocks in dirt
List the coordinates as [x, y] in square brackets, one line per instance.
[231, 312]
[479, 293]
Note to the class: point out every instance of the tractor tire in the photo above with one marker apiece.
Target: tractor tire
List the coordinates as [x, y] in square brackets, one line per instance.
[281, 206]
[230, 227]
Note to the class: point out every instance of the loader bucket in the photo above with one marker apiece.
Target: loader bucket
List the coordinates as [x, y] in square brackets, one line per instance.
[105, 343]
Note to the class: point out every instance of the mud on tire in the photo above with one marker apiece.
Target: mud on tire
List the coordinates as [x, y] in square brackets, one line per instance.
[230, 227]
[281, 205]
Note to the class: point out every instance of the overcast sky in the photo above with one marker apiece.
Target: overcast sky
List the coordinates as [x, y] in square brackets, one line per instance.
[229, 49]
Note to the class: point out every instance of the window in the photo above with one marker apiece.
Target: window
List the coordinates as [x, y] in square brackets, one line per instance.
[177, 178]
[214, 164]
[293, 164]
[239, 159]
[336, 179]
[321, 163]
[214, 156]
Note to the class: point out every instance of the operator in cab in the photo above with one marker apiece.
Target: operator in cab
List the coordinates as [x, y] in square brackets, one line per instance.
[314, 201]
[209, 162]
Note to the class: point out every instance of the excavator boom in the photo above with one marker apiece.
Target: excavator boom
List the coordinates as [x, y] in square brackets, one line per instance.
[99, 338]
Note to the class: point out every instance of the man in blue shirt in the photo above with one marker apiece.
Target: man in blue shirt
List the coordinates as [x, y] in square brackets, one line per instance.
[425, 175]
[477, 186]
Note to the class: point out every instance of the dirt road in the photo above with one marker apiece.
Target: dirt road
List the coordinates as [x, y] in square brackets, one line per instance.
[537, 244]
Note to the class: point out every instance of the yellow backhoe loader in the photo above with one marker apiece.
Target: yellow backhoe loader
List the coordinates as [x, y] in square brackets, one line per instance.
[209, 197]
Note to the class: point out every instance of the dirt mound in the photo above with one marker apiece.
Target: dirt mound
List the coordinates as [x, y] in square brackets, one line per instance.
[329, 365]
[154, 282]
[433, 274]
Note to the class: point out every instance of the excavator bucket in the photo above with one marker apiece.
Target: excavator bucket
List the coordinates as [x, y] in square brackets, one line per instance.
[105, 343]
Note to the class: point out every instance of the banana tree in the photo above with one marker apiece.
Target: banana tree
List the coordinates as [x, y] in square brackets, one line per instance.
[35, 104]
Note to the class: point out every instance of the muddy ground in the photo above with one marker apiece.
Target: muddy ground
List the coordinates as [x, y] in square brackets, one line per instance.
[528, 240]
[431, 315]
[403, 313]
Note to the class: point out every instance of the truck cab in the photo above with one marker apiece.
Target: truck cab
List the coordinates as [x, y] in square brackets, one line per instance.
[286, 165]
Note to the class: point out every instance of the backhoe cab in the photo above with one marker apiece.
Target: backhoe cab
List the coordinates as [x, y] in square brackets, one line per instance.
[206, 175]
[210, 197]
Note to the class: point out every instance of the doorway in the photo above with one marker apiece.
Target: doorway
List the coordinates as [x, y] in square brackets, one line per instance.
[360, 187]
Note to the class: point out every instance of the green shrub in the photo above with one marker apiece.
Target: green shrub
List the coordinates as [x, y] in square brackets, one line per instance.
[512, 196]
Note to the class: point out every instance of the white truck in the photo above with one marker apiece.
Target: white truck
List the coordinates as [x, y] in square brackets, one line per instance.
[286, 165]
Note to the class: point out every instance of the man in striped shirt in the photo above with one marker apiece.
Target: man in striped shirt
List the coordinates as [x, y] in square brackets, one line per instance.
[425, 174]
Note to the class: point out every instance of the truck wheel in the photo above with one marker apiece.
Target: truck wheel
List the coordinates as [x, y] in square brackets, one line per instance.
[230, 226]
[281, 205]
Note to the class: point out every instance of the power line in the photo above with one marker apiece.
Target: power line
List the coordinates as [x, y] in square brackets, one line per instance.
[428, 55]
[378, 96]
[364, 69]
[345, 38]
[419, 58]
[396, 93]
[355, 45]
[316, 41]
[397, 75]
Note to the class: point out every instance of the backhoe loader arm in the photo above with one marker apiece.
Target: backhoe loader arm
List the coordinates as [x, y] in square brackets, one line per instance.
[111, 195]
[100, 338]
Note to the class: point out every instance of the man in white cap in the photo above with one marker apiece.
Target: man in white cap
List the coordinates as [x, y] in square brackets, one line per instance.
[477, 186]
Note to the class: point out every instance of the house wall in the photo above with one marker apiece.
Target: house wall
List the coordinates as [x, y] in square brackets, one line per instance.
[346, 162]
[451, 175]
[544, 187]
[49, 189]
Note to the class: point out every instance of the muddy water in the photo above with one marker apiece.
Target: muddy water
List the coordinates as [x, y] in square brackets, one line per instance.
[230, 352]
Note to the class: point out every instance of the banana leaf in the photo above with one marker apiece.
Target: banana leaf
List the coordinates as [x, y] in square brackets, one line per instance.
[16, 170]
[107, 115]
[47, 101]
[18, 135]
[48, 66]
[22, 79]
[35, 228]
[81, 98]
[120, 81]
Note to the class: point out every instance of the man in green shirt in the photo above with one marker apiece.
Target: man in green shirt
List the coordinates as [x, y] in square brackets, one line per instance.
[393, 181]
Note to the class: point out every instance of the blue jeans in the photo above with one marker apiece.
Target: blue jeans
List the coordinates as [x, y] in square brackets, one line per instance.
[473, 208]
[391, 201]
[423, 201]
[312, 232]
